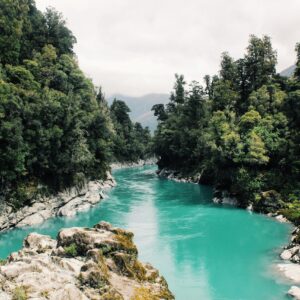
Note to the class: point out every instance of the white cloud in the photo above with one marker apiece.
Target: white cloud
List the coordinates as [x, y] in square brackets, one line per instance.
[135, 46]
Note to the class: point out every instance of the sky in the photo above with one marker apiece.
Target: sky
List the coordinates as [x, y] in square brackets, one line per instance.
[134, 47]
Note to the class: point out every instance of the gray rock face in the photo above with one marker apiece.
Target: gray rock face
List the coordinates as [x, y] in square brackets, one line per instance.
[177, 176]
[66, 203]
[84, 263]
[140, 163]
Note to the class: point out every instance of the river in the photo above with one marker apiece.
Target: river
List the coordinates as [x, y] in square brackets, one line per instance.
[204, 250]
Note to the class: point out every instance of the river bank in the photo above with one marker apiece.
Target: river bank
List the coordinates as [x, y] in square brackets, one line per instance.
[82, 263]
[152, 208]
[290, 254]
[140, 163]
[65, 203]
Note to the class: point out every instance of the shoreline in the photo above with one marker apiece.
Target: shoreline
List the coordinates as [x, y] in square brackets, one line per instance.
[140, 163]
[289, 254]
[71, 201]
[66, 203]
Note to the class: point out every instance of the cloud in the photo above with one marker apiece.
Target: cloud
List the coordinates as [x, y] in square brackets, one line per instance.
[135, 46]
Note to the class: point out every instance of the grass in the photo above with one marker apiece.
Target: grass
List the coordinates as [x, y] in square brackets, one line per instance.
[19, 293]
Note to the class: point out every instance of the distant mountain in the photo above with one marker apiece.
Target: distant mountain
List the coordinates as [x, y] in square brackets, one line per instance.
[288, 72]
[141, 107]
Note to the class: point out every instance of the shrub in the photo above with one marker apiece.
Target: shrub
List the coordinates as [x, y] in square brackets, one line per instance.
[71, 250]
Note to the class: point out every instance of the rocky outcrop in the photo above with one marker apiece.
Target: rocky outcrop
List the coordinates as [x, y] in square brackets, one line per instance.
[83, 263]
[294, 291]
[224, 197]
[178, 176]
[290, 268]
[66, 203]
[140, 163]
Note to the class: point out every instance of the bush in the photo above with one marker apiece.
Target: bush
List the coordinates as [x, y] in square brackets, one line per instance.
[292, 212]
[71, 250]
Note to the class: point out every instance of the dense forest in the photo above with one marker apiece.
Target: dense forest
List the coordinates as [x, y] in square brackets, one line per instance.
[56, 129]
[240, 130]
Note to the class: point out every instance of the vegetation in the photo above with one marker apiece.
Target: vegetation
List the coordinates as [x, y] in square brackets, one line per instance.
[240, 130]
[131, 142]
[71, 250]
[20, 293]
[56, 130]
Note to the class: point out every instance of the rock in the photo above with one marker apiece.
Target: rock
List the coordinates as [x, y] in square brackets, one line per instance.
[295, 231]
[286, 255]
[102, 237]
[66, 203]
[69, 292]
[224, 197]
[295, 259]
[294, 291]
[39, 242]
[281, 219]
[140, 163]
[31, 220]
[73, 206]
[291, 271]
[84, 263]
[4, 296]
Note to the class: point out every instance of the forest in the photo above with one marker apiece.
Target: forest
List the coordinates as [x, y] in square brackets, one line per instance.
[240, 130]
[56, 129]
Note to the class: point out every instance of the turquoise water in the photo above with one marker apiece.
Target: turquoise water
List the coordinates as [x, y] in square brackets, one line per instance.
[205, 251]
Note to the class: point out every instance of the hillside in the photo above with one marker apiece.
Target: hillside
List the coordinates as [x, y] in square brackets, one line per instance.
[141, 107]
[288, 72]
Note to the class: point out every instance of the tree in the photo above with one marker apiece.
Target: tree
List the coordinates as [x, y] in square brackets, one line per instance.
[260, 61]
[228, 70]
[256, 150]
[297, 70]
[12, 14]
[159, 112]
[241, 132]
[58, 35]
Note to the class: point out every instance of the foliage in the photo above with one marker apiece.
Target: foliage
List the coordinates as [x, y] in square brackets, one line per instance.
[241, 131]
[56, 131]
[132, 142]
[71, 250]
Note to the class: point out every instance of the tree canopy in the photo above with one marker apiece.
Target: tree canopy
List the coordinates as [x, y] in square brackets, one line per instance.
[56, 130]
[241, 131]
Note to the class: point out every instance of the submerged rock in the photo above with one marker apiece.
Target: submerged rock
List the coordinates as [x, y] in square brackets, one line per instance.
[84, 263]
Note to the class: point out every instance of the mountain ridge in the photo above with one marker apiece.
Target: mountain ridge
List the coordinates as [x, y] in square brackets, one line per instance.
[140, 106]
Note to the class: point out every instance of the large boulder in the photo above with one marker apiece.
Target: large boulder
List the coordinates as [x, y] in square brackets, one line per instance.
[83, 263]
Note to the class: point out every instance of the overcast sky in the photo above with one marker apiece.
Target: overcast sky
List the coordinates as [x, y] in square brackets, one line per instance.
[135, 47]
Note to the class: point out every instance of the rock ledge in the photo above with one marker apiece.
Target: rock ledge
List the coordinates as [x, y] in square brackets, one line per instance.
[83, 263]
[66, 203]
